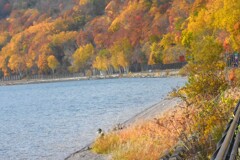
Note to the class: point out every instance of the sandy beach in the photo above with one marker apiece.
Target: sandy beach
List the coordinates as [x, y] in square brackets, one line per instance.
[148, 114]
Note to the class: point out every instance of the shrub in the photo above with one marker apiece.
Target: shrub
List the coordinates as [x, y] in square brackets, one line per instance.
[237, 73]
[106, 144]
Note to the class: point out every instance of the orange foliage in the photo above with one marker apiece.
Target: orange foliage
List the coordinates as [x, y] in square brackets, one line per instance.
[64, 26]
[42, 63]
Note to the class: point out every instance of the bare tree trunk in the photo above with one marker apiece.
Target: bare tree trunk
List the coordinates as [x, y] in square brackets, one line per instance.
[120, 71]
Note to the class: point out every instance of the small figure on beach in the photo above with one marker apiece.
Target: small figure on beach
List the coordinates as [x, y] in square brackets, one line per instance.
[100, 132]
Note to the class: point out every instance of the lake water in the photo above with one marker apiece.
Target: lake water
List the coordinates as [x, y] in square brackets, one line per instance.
[50, 121]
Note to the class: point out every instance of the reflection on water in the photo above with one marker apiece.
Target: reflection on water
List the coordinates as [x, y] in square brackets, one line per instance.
[51, 121]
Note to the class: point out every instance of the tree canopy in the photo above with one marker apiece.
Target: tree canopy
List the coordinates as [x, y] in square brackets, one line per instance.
[130, 32]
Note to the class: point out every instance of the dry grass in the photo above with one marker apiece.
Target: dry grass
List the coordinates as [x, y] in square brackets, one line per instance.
[197, 128]
[146, 140]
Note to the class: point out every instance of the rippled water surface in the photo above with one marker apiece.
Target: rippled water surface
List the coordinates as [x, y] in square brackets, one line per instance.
[51, 121]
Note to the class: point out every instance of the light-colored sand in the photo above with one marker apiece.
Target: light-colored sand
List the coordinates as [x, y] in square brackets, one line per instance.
[154, 111]
[149, 113]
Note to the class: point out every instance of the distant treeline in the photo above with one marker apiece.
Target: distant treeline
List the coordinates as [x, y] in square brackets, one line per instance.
[95, 72]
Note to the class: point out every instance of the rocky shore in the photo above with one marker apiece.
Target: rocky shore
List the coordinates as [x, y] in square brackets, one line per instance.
[148, 114]
[150, 74]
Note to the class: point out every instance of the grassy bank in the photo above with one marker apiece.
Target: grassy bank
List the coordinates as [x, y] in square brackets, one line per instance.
[145, 140]
[196, 128]
[197, 125]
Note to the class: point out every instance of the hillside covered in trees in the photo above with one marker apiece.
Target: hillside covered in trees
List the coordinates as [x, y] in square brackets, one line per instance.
[43, 36]
[59, 36]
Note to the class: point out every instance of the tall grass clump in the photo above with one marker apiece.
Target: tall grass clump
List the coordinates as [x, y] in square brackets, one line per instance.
[146, 140]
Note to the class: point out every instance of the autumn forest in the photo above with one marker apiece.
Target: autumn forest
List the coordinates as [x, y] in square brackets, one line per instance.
[75, 37]
[57, 36]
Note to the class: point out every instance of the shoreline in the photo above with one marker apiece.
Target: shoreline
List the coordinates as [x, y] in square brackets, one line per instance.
[157, 74]
[149, 113]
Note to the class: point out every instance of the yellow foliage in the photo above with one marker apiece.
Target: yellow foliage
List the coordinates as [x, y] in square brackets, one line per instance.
[52, 62]
[101, 63]
[63, 37]
[16, 63]
[3, 38]
[83, 2]
[106, 144]
[115, 25]
[151, 60]
[82, 56]
[122, 60]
